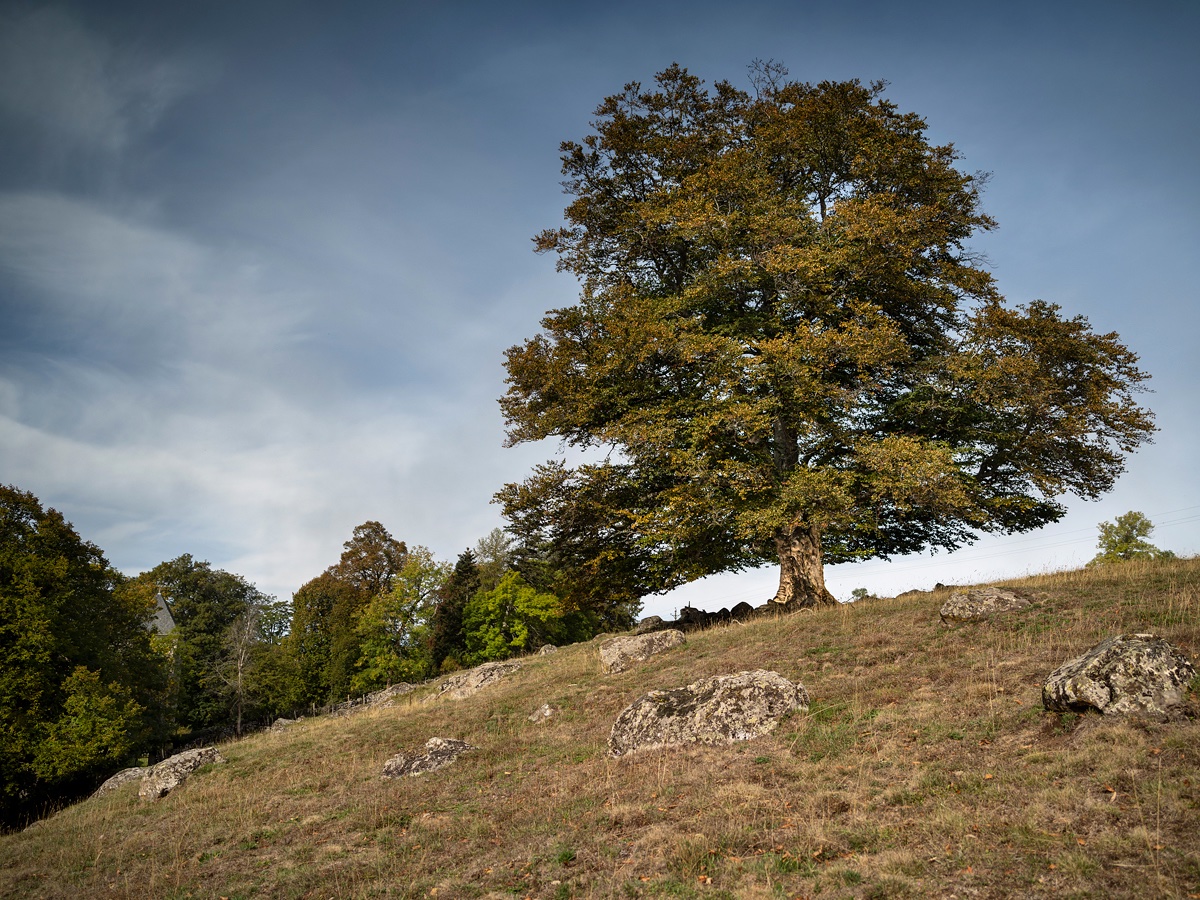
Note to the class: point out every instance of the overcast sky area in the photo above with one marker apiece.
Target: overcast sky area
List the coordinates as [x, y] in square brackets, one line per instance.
[259, 262]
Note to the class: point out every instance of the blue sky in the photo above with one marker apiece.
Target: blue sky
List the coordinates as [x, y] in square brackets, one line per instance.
[259, 262]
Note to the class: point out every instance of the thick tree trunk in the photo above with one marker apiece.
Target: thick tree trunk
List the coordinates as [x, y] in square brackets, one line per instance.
[801, 574]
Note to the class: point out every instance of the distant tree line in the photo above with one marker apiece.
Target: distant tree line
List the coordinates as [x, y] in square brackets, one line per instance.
[87, 686]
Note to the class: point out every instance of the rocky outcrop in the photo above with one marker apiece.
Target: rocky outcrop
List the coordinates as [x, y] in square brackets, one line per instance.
[282, 724]
[122, 778]
[982, 603]
[385, 696]
[542, 713]
[1123, 675]
[439, 752]
[714, 710]
[174, 771]
[547, 648]
[619, 653]
[463, 684]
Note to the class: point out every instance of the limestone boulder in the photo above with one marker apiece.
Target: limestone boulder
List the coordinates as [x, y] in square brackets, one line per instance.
[439, 752]
[716, 710]
[1123, 675]
[465, 684]
[983, 603]
[542, 713]
[619, 653]
[122, 778]
[546, 649]
[385, 696]
[163, 778]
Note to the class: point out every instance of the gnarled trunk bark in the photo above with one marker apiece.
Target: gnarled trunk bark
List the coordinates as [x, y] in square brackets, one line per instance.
[801, 575]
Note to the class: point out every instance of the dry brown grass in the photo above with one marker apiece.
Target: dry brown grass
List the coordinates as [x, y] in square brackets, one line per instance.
[925, 767]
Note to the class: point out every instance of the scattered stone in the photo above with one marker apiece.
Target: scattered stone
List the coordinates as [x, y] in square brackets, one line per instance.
[385, 696]
[439, 752]
[122, 778]
[1123, 675]
[163, 778]
[463, 684]
[619, 653]
[649, 624]
[714, 710]
[547, 648]
[542, 713]
[982, 603]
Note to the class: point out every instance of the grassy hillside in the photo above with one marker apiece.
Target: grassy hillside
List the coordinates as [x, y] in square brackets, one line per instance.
[925, 767]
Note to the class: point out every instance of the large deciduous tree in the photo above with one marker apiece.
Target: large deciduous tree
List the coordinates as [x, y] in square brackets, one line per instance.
[324, 636]
[788, 349]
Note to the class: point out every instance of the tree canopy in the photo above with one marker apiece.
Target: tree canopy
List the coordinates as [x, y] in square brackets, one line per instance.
[786, 349]
[1125, 539]
[79, 679]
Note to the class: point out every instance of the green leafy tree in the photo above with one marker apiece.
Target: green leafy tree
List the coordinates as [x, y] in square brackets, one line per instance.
[311, 635]
[493, 557]
[370, 561]
[274, 685]
[511, 618]
[205, 602]
[97, 730]
[235, 670]
[392, 627]
[324, 640]
[447, 642]
[575, 538]
[1125, 539]
[77, 669]
[787, 351]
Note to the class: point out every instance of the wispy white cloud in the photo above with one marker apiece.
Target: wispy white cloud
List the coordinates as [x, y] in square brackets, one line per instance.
[137, 293]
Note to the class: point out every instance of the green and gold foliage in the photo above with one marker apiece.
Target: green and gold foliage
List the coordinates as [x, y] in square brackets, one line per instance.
[324, 641]
[393, 627]
[510, 619]
[789, 351]
[1125, 539]
[78, 674]
[205, 603]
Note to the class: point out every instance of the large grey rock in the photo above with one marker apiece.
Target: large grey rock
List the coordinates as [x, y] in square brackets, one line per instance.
[547, 649]
[1129, 673]
[174, 771]
[439, 752]
[714, 710]
[619, 653]
[982, 603]
[122, 778]
[463, 684]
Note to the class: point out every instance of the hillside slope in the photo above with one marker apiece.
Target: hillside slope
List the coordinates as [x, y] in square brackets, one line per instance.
[925, 767]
